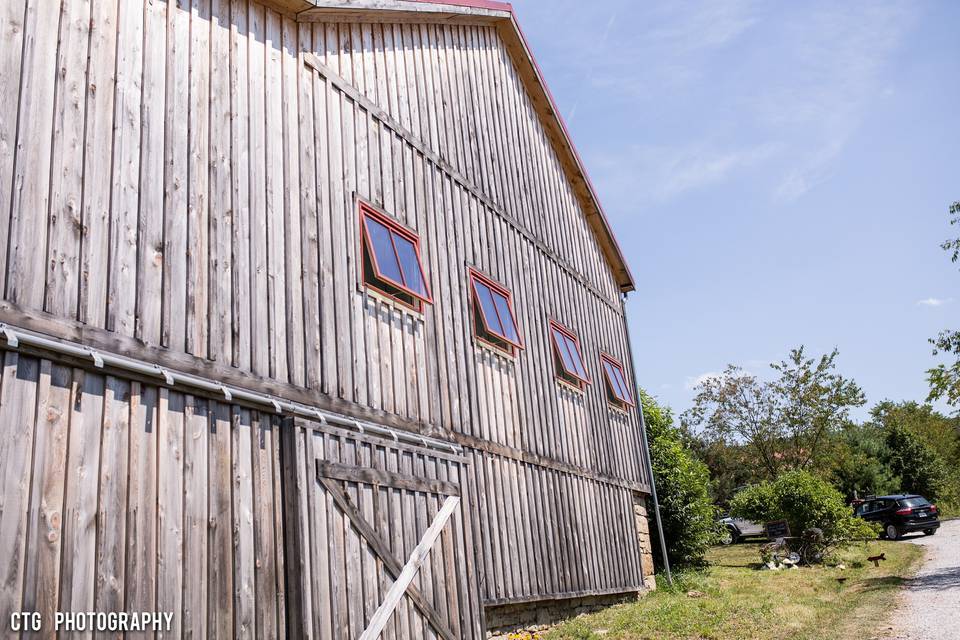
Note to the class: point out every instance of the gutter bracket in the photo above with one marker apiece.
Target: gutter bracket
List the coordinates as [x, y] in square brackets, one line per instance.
[10, 335]
[167, 376]
[97, 359]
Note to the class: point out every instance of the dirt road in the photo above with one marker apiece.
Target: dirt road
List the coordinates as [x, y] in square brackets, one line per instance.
[929, 607]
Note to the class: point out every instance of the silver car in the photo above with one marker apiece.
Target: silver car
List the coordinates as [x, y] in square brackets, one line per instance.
[736, 529]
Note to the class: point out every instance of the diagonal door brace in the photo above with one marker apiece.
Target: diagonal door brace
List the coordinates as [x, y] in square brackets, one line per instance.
[383, 551]
[417, 558]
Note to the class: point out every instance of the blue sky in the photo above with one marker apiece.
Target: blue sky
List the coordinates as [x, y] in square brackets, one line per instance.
[777, 173]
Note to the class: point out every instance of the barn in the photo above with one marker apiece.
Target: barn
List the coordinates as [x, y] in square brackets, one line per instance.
[312, 325]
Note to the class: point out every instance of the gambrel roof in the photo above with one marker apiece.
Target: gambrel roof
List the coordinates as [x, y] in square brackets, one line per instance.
[502, 16]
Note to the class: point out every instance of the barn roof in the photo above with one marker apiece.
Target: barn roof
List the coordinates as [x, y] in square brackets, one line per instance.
[502, 16]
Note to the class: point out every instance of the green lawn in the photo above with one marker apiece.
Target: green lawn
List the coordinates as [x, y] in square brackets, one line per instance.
[739, 601]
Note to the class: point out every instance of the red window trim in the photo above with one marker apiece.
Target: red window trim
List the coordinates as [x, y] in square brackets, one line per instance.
[576, 342]
[366, 209]
[619, 365]
[475, 276]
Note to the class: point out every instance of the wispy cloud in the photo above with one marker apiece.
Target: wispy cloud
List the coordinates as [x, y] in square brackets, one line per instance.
[693, 381]
[740, 90]
[659, 173]
[832, 62]
[934, 302]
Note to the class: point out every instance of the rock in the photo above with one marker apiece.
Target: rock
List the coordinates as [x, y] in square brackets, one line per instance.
[695, 594]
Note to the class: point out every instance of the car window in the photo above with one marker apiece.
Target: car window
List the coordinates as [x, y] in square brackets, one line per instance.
[880, 505]
[914, 502]
[861, 508]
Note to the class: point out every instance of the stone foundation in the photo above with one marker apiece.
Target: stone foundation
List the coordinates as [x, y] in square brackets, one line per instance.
[538, 616]
[643, 534]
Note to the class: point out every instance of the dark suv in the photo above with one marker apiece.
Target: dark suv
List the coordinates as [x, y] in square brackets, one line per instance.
[900, 514]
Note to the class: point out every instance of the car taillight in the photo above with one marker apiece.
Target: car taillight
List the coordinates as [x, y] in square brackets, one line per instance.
[933, 508]
[905, 511]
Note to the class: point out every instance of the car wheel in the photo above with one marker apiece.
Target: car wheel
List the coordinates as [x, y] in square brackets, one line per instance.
[892, 532]
[730, 536]
[929, 532]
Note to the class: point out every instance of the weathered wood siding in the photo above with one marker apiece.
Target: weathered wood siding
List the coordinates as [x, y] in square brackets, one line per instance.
[123, 496]
[184, 175]
[551, 533]
[343, 572]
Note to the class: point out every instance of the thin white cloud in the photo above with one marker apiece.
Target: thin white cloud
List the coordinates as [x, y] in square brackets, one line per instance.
[720, 85]
[659, 173]
[697, 26]
[934, 302]
[832, 60]
[693, 381]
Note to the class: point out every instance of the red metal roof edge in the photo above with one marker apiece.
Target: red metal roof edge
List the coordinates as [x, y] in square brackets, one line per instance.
[494, 5]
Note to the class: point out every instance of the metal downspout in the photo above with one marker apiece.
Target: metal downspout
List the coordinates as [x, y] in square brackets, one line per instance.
[646, 444]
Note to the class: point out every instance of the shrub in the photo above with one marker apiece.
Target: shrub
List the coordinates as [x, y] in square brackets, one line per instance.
[683, 489]
[805, 501]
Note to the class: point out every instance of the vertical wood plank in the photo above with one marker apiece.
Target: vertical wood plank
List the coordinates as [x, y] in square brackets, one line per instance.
[198, 189]
[31, 176]
[112, 498]
[18, 394]
[196, 483]
[42, 583]
[276, 300]
[244, 556]
[66, 172]
[267, 579]
[141, 517]
[220, 600]
[241, 277]
[149, 232]
[12, 23]
[176, 176]
[259, 304]
[121, 289]
[291, 69]
[220, 310]
[170, 504]
[85, 561]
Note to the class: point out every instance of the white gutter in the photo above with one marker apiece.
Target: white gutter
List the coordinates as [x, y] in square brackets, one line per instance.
[15, 336]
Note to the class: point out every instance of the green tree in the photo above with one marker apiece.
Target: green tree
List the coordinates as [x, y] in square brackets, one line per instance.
[731, 466]
[859, 465]
[920, 469]
[788, 421]
[941, 433]
[683, 485]
[944, 378]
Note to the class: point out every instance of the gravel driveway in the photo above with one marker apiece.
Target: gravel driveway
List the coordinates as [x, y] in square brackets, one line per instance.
[929, 607]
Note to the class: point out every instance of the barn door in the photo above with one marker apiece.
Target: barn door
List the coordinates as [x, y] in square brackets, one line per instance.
[385, 538]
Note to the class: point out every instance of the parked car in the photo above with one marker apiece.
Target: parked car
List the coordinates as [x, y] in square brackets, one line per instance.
[900, 514]
[737, 529]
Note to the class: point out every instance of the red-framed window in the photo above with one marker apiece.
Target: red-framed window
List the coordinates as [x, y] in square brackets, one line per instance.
[568, 359]
[494, 321]
[618, 391]
[391, 259]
